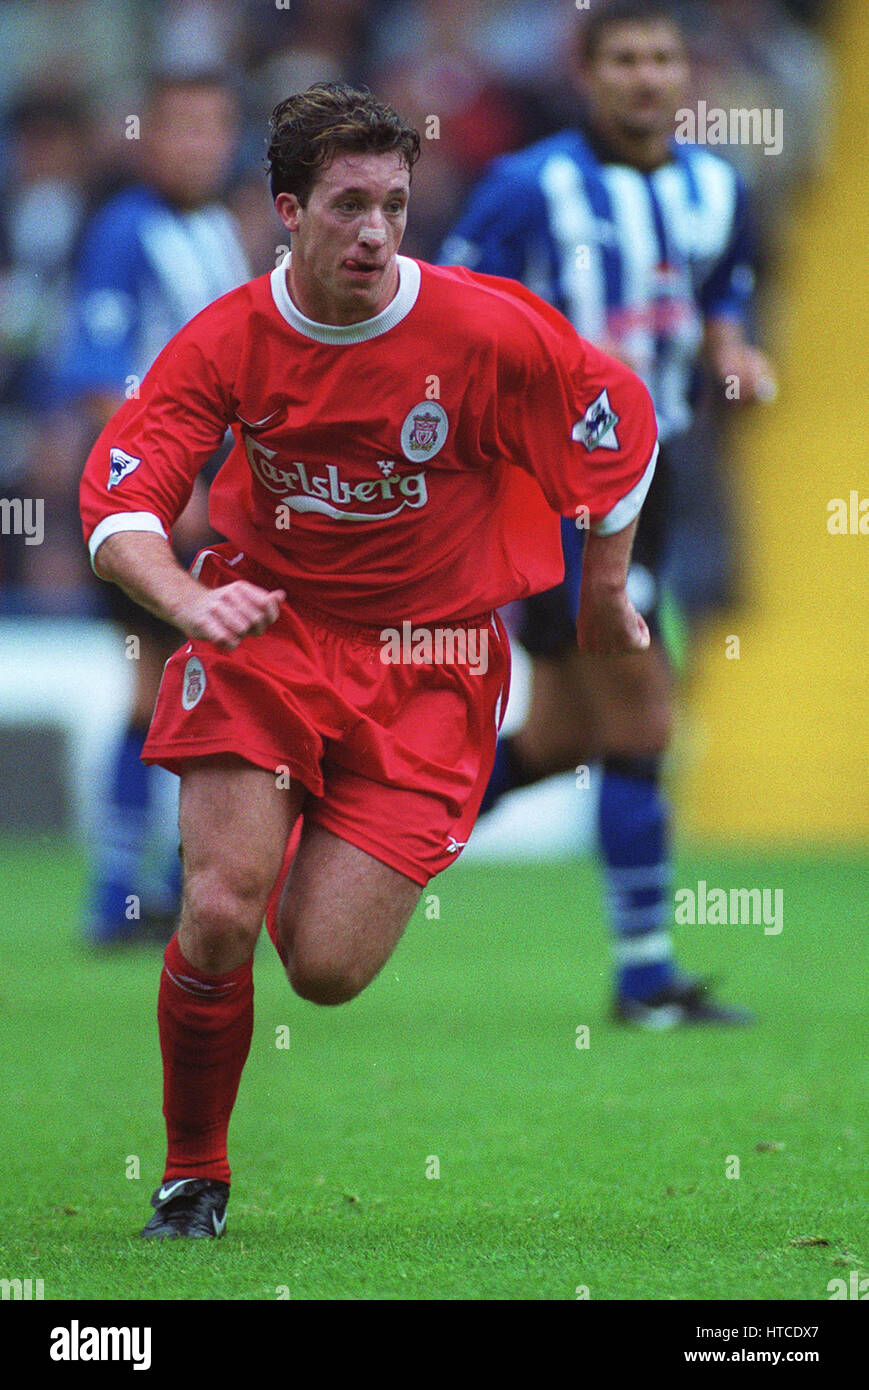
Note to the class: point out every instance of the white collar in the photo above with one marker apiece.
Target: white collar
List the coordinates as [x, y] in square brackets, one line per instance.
[397, 308]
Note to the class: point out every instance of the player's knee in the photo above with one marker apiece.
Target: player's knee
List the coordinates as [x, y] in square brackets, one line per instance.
[325, 982]
[223, 909]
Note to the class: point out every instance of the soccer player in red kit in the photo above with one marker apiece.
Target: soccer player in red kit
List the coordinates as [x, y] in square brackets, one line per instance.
[406, 438]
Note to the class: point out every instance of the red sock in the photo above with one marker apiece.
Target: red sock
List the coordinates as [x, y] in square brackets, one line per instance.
[206, 1022]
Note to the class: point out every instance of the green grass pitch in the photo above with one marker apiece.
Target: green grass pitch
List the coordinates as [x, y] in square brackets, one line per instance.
[561, 1168]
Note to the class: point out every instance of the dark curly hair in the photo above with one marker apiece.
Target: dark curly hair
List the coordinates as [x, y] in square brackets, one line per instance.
[310, 127]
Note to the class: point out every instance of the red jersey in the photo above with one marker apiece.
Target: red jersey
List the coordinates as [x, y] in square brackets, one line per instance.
[412, 466]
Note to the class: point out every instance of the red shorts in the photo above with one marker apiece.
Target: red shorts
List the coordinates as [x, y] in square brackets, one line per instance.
[395, 756]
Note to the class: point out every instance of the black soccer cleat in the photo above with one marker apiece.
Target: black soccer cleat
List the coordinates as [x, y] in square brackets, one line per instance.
[684, 1001]
[188, 1207]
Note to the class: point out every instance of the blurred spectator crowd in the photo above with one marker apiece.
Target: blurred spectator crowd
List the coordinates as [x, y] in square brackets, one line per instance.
[493, 72]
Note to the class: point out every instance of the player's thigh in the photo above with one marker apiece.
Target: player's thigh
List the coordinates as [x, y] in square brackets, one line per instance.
[341, 916]
[588, 707]
[234, 821]
[562, 721]
[631, 698]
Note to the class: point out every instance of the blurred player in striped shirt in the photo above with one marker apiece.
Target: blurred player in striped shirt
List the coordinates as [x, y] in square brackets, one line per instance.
[644, 245]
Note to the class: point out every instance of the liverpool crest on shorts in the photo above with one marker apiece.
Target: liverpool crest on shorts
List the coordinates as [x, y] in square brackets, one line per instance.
[424, 431]
[597, 428]
[194, 683]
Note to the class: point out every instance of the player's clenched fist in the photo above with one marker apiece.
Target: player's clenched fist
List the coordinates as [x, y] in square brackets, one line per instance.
[227, 615]
[147, 569]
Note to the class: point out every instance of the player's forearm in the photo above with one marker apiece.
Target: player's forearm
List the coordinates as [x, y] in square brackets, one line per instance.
[607, 623]
[144, 565]
[606, 559]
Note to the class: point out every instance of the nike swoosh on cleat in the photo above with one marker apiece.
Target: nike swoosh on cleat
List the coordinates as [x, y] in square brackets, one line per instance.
[219, 1223]
[166, 1192]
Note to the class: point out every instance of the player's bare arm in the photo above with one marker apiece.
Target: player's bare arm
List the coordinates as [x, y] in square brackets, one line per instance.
[145, 567]
[731, 355]
[607, 623]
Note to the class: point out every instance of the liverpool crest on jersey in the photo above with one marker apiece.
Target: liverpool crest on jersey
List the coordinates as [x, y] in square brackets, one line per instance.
[597, 428]
[424, 430]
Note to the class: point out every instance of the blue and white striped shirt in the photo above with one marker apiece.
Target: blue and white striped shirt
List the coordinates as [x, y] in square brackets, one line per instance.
[634, 259]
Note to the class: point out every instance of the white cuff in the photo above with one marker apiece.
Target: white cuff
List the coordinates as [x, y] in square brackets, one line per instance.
[122, 521]
[623, 512]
